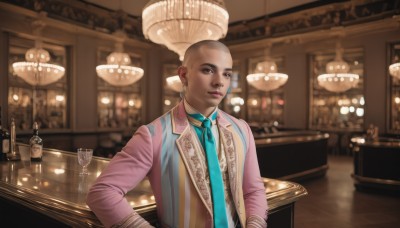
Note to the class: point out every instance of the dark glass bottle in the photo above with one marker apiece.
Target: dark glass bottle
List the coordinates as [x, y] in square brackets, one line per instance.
[36, 144]
[4, 142]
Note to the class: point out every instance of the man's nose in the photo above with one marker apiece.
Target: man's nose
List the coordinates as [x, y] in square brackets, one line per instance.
[218, 80]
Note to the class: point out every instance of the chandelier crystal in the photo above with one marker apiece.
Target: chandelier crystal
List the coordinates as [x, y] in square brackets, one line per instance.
[337, 78]
[118, 71]
[36, 70]
[394, 70]
[179, 23]
[265, 76]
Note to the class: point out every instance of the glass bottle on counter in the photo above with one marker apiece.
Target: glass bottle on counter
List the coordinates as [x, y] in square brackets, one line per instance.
[36, 144]
[4, 142]
[14, 154]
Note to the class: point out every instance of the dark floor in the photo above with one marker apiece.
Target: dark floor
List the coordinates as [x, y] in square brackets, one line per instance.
[332, 201]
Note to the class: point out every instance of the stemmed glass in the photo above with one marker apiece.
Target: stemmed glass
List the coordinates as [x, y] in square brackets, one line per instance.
[84, 158]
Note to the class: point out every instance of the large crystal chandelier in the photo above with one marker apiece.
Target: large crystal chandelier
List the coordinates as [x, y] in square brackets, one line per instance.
[179, 23]
[337, 77]
[118, 71]
[37, 70]
[266, 76]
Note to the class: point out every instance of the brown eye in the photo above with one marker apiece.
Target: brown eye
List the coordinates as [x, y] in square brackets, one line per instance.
[228, 75]
[207, 71]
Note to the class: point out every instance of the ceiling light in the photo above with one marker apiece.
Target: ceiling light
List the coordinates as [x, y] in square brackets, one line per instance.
[265, 76]
[337, 78]
[179, 23]
[118, 71]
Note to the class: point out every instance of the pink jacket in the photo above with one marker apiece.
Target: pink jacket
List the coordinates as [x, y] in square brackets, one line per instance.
[167, 153]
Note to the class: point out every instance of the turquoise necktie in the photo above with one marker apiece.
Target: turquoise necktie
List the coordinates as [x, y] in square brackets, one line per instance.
[217, 185]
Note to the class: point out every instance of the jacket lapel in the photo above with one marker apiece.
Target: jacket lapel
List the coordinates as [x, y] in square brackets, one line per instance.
[190, 151]
[232, 158]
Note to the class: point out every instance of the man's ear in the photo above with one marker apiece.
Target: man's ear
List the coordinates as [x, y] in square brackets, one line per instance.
[182, 75]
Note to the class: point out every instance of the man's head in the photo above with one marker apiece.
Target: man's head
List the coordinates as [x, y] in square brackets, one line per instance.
[206, 74]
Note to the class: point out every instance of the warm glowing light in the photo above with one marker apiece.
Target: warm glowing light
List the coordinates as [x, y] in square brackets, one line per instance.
[237, 101]
[394, 70]
[15, 97]
[337, 78]
[105, 100]
[360, 112]
[265, 76]
[60, 98]
[344, 110]
[59, 171]
[167, 102]
[36, 70]
[362, 101]
[236, 108]
[397, 100]
[174, 82]
[118, 72]
[179, 23]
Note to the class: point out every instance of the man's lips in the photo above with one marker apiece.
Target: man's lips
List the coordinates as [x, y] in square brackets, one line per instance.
[216, 93]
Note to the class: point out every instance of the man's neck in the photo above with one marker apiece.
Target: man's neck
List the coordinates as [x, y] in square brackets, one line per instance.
[191, 109]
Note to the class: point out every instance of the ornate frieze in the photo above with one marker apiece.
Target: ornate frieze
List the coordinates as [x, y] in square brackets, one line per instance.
[294, 21]
[312, 19]
[87, 15]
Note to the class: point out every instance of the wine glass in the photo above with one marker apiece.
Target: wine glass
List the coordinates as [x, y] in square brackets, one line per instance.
[84, 158]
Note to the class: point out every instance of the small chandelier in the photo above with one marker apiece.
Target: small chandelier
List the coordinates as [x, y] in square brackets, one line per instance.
[394, 69]
[174, 82]
[179, 23]
[36, 70]
[337, 78]
[265, 76]
[118, 71]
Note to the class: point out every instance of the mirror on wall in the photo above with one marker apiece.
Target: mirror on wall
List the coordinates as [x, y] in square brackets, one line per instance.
[118, 106]
[172, 86]
[234, 103]
[29, 102]
[394, 89]
[342, 111]
[265, 107]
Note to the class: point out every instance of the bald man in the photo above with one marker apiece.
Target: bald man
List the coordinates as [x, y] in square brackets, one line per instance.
[202, 175]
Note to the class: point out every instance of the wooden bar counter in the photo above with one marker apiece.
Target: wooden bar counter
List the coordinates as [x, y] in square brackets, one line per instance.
[52, 193]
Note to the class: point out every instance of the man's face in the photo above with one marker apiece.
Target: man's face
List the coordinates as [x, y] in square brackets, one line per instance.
[207, 76]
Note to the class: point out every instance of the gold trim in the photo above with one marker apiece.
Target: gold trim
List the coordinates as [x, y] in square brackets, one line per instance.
[280, 193]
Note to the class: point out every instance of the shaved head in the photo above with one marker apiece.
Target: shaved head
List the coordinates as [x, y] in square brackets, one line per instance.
[194, 48]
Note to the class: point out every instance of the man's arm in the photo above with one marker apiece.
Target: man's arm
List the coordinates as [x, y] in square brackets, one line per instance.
[253, 187]
[106, 198]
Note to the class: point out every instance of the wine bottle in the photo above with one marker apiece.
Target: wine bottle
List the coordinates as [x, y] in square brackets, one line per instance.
[4, 142]
[36, 144]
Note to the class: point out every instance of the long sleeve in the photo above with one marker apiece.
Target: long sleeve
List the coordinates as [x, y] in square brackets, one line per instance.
[253, 187]
[127, 168]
